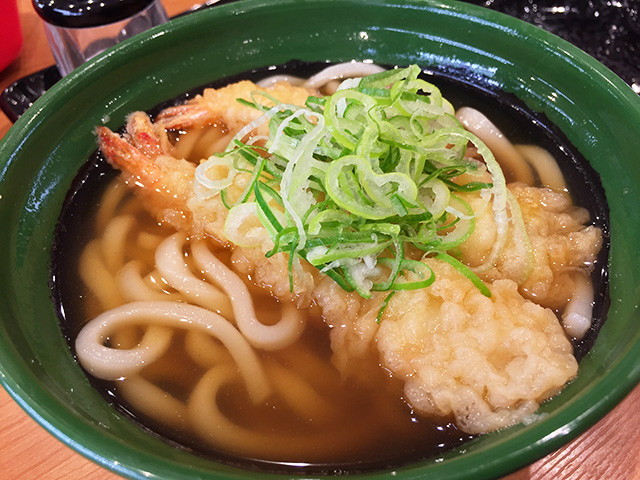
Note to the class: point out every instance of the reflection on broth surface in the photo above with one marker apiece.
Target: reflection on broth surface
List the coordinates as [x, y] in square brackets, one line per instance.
[423, 307]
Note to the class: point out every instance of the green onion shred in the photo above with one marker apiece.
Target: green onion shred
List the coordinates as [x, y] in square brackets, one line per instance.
[363, 182]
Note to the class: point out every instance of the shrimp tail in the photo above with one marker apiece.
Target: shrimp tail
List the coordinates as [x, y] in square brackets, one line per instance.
[185, 116]
[126, 157]
[151, 141]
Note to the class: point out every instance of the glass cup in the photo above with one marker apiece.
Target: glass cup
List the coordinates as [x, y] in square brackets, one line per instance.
[79, 30]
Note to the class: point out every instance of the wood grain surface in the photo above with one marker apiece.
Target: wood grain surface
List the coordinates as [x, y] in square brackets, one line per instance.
[610, 450]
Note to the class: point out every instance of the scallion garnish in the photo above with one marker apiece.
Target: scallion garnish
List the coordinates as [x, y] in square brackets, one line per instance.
[364, 182]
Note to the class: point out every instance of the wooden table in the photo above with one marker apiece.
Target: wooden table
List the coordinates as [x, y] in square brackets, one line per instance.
[609, 450]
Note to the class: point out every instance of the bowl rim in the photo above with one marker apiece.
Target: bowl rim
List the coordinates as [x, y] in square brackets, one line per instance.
[12, 374]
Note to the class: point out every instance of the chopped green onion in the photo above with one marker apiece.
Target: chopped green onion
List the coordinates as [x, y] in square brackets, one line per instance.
[466, 271]
[383, 306]
[354, 181]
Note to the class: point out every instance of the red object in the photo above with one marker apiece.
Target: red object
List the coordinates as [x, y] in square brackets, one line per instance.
[10, 32]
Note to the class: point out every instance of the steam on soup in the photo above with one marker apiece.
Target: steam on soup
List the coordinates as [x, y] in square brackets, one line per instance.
[330, 274]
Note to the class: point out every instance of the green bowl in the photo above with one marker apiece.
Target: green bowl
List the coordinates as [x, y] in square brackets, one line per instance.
[41, 154]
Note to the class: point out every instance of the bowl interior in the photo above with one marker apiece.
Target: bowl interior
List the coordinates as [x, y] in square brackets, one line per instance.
[41, 154]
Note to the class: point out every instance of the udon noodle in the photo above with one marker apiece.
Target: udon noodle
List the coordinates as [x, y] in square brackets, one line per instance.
[202, 343]
[182, 293]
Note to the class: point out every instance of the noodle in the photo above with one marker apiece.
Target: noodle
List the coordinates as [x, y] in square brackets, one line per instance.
[113, 363]
[134, 287]
[326, 78]
[204, 350]
[171, 264]
[109, 204]
[299, 395]
[545, 166]
[114, 241]
[217, 429]
[148, 241]
[577, 316]
[154, 402]
[98, 278]
[516, 167]
[105, 362]
[271, 337]
[122, 342]
[325, 378]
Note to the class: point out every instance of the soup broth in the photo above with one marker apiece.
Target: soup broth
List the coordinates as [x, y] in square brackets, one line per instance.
[354, 431]
[318, 421]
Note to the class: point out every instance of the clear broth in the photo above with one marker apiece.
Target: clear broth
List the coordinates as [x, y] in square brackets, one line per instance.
[397, 436]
